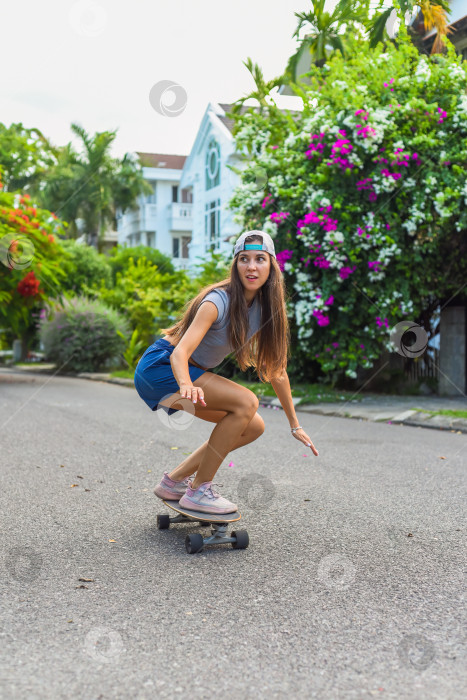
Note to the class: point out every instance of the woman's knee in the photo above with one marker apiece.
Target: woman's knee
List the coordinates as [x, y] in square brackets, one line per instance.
[251, 403]
[256, 426]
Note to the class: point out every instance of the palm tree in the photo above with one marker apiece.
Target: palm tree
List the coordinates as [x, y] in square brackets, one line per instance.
[434, 14]
[324, 30]
[435, 17]
[93, 185]
[263, 88]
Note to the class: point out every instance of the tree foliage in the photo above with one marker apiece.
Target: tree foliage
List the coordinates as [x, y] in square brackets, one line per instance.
[365, 197]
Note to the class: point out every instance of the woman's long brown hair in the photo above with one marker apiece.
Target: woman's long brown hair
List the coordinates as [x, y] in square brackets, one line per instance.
[268, 349]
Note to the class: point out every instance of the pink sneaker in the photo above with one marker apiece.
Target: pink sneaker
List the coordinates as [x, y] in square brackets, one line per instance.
[206, 500]
[171, 490]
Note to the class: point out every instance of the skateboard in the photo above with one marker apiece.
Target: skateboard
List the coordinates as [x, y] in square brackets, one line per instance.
[219, 524]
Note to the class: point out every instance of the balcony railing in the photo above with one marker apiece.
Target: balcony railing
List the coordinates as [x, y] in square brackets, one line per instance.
[180, 216]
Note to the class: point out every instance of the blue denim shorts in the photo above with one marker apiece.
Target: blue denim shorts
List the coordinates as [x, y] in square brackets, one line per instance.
[154, 378]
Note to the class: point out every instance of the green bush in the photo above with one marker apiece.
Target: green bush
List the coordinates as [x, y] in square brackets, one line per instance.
[83, 336]
[120, 259]
[149, 299]
[84, 267]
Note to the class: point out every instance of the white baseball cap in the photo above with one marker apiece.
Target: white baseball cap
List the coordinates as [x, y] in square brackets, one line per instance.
[267, 244]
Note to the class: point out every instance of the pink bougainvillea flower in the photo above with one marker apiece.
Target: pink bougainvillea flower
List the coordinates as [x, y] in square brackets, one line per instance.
[321, 318]
[279, 216]
[443, 115]
[373, 265]
[364, 184]
[330, 300]
[344, 272]
[267, 200]
[282, 257]
[335, 345]
[380, 323]
[365, 131]
[362, 112]
[321, 262]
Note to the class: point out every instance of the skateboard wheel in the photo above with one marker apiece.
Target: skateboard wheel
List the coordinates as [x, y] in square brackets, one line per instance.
[194, 543]
[241, 539]
[204, 523]
[163, 522]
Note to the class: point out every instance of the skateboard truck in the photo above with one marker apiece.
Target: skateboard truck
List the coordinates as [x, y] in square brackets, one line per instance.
[219, 524]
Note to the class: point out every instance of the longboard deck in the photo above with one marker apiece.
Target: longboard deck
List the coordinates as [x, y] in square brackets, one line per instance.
[199, 515]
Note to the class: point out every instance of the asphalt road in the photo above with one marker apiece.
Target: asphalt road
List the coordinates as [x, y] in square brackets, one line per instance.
[351, 586]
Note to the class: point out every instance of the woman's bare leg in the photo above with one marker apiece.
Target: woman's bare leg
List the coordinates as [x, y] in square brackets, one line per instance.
[237, 403]
[188, 466]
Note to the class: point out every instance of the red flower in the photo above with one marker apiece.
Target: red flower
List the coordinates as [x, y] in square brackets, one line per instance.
[29, 285]
[51, 238]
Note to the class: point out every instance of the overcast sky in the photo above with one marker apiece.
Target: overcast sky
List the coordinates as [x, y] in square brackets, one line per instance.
[96, 62]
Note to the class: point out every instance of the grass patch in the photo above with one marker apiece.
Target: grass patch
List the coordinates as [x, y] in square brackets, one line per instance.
[123, 373]
[307, 393]
[443, 412]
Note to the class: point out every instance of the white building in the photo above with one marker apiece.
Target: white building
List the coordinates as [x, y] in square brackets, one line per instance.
[163, 219]
[187, 215]
[211, 182]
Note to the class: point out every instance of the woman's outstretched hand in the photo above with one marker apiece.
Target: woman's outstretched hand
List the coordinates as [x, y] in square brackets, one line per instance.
[303, 437]
[188, 391]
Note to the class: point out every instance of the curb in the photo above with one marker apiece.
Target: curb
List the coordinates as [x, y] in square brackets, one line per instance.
[416, 419]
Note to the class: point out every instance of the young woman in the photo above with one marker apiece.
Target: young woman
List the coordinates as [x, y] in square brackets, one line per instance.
[244, 314]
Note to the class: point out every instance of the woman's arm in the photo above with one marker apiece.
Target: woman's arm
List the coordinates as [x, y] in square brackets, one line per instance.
[282, 388]
[284, 394]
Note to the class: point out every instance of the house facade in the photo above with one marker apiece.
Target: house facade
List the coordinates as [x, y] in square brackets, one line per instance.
[163, 219]
[210, 181]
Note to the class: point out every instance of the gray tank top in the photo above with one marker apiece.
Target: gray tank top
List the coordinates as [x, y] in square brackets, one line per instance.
[216, 345]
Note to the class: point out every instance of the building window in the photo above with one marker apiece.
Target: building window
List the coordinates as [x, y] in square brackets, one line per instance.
[187, 196]
[174, 193]
[151, 239]
[185, 241]
[212, 224]
[151, 198]
[180, 246]
[213, 165]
